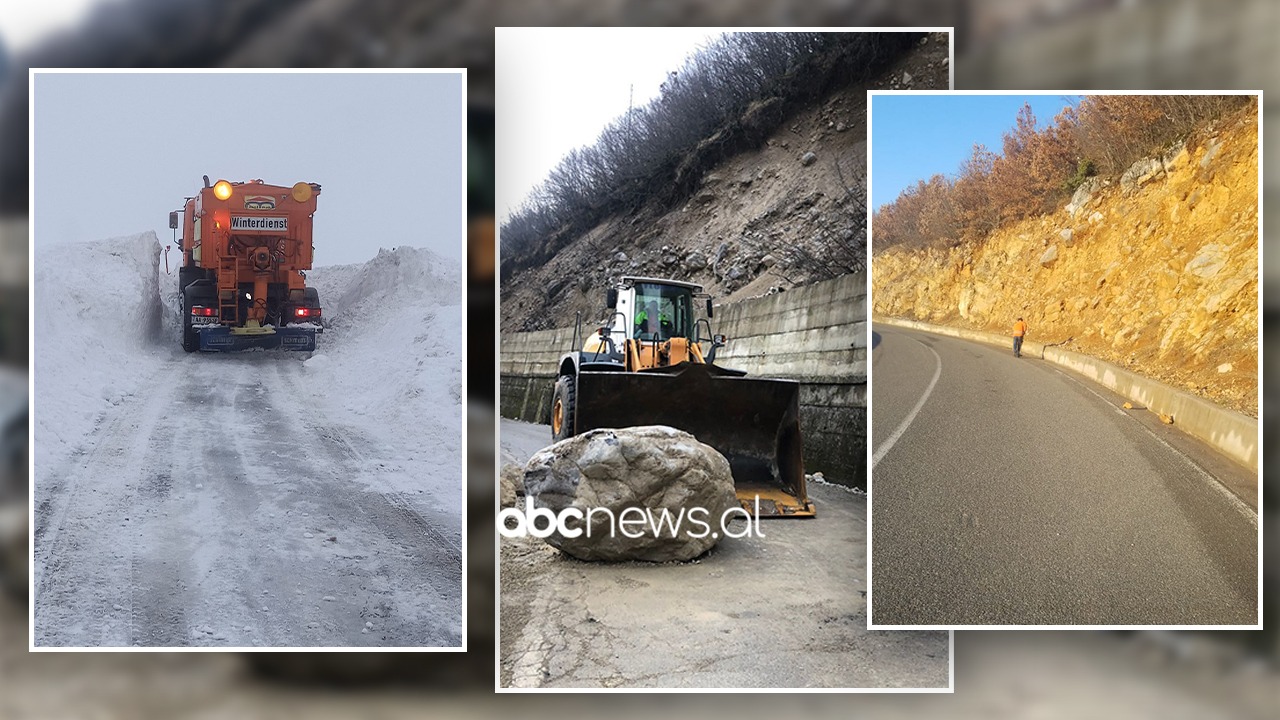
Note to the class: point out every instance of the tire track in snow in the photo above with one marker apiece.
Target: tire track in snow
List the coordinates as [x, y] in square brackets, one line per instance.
[85, 531]
[415, 566]
[222, 469]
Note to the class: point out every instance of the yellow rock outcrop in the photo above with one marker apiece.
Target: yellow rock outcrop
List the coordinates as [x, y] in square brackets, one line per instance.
[1158, 275]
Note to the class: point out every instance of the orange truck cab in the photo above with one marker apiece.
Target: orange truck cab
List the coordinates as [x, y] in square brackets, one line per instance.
[245, 249]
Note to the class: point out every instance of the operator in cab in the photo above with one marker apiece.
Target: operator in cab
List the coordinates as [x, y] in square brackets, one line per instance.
[651, 323]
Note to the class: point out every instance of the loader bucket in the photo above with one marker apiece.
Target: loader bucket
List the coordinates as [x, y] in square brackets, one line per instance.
[753, 422]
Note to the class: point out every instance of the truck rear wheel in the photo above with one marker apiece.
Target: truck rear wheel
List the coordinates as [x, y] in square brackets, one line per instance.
[190, 340]
[190, 298]
[563, 408]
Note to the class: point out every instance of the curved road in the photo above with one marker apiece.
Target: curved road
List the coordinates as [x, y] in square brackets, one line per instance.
[1006, 491]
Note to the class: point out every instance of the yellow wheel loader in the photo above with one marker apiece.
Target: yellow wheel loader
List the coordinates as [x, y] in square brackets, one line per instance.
[651, 362]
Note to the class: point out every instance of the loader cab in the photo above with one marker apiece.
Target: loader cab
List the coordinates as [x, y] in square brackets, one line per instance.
[650, 309]
[632, 371]
[661, 312]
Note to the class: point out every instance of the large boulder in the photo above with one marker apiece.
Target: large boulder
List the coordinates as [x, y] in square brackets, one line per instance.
[639, 472]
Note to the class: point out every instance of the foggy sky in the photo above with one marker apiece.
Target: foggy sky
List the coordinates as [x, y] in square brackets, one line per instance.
[551, 101]
[115, 152]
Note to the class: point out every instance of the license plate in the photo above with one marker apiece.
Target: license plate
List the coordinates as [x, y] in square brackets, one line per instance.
[203, 320]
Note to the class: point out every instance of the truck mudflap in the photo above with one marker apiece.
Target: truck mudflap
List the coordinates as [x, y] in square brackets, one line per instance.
[753, 422]
[222, 339]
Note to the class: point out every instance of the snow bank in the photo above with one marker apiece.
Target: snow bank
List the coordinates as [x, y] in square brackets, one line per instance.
[96, 308]
[391, 351]
[108, 316]
[404, 275]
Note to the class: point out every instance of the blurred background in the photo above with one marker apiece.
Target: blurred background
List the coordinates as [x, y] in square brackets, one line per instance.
[999, 44]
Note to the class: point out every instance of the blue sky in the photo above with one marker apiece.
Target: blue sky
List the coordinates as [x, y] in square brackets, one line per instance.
[915, 136]
[115, 152]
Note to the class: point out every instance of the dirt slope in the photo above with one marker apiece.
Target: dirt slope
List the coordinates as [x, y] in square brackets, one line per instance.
[737, 234]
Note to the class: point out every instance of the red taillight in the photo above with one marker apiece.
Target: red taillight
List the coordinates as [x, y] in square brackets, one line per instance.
[306, 312]
[202, 311]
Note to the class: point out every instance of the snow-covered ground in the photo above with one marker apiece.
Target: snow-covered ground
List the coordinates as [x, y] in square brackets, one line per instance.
[399, 362]
[261, 498]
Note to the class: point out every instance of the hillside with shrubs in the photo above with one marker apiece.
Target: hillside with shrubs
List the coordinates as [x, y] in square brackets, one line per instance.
[1126, 229]
[747, 174]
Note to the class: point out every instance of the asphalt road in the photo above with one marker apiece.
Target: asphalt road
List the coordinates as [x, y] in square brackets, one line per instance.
[224, 508]
[1006, 491]
[784, 610]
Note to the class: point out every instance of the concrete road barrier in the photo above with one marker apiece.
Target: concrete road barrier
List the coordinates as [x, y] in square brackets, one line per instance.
[815, 335]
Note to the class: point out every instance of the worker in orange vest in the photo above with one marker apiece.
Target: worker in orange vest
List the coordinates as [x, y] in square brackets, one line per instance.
[1019, 330]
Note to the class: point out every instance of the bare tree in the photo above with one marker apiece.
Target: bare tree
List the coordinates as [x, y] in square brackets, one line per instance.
[1038, 167]
[658, 152]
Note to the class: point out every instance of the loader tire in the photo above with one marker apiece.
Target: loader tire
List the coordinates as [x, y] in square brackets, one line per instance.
[563, 409]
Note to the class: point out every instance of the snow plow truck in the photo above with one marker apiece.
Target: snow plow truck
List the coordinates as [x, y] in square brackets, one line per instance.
[242, 283]
[653, 363]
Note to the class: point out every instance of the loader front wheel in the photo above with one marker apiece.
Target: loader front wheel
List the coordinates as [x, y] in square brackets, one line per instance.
[562, 408]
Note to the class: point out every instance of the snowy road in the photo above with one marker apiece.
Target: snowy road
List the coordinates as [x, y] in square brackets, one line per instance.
[249, 499]
[222, 509]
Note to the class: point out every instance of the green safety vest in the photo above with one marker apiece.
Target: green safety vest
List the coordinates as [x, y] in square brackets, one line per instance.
[644, 315]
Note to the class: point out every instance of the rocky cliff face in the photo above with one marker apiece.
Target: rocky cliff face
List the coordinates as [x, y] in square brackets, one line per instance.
[753, 221]
[1156, 271]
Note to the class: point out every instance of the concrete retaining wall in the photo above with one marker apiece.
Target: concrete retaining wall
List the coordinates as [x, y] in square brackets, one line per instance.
[527, 370]
[1231, 433]
[816, 335]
